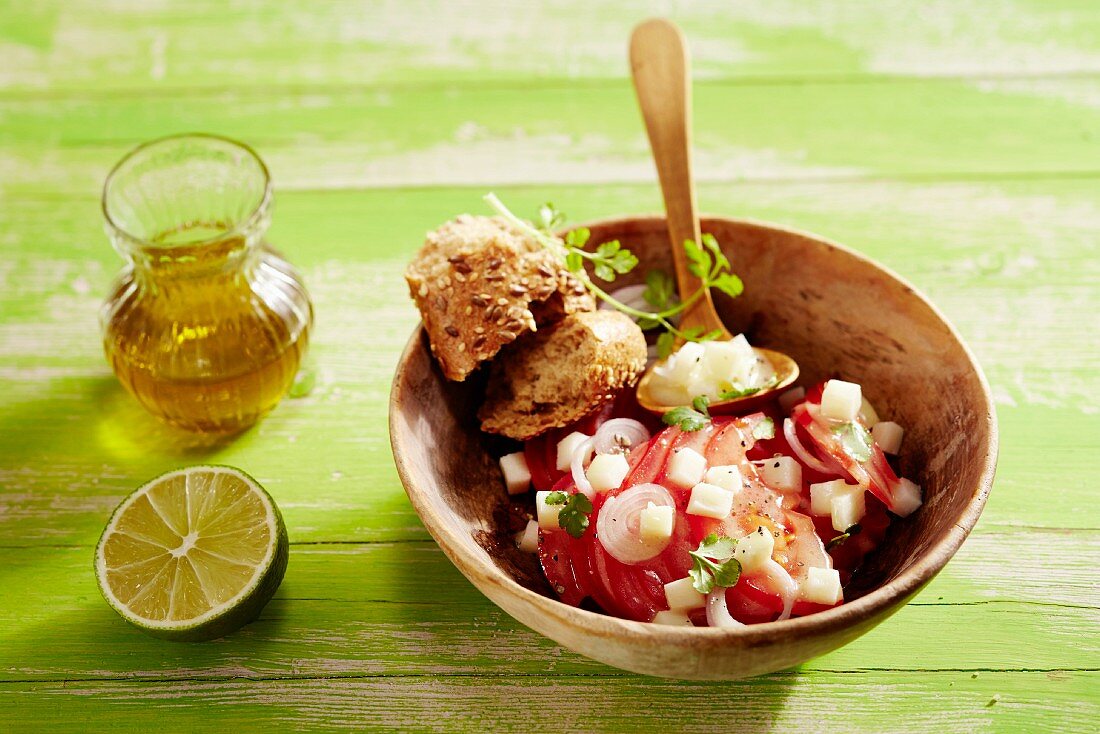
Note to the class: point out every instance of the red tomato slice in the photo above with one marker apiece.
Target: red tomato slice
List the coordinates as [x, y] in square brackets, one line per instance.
[875, 474]
[541, 452]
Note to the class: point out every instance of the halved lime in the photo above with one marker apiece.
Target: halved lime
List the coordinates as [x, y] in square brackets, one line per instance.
[193, 554]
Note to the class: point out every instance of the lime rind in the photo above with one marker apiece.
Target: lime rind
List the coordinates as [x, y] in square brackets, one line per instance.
[243, 607]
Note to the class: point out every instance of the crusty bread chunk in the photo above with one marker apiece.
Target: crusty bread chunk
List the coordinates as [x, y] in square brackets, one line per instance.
[480, 283]
[559, 374]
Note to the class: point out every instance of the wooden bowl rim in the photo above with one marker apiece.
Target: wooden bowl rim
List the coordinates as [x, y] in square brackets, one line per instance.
[879, 601]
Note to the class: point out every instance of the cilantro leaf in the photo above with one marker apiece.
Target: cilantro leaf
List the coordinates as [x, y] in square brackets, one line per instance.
[556, 498]
[764, 430]
[604, 271]
[607, 249]
[577, 237]
[855, 440]
[712, 564]
[573, 518]
[574, 262]
[698, 259]
[700, 404]
[687, 418]
[721, 262]
[729, 284]
[645, 324]
[624, 261]
[659, 289]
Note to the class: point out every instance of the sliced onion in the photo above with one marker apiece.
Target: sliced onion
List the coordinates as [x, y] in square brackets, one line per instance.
[788, 588]
[629, 430]
[718, 613]
[576, 466]
[800, 451]
[617, 525]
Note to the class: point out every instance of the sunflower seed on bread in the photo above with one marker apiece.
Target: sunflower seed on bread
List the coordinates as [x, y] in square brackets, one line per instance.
[481, 283]
[561, 373]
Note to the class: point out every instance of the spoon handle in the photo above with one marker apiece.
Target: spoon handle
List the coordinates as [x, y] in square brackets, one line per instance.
[661, 69]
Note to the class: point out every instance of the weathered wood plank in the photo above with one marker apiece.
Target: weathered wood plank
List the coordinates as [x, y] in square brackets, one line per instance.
[403, 609]
[61, 44]
[355, 137]
[932, 702]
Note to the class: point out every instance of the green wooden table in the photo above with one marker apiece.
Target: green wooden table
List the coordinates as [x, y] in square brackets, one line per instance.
[956, 142]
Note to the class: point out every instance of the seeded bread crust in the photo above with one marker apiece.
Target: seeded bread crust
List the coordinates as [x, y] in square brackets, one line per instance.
[557, 375]
[480, 283]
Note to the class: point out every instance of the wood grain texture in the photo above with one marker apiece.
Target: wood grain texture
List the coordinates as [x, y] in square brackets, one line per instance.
[953, 141]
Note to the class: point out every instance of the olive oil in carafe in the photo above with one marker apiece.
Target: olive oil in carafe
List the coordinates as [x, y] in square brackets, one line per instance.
[207, 336]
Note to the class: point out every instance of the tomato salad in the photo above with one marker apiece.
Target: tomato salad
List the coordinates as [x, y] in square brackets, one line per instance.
[713, 521]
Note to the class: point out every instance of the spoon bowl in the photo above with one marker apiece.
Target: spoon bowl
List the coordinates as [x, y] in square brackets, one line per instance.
[842, 316]
[786, 372]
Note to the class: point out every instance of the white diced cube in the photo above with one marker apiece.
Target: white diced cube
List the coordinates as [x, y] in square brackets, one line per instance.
[517, 477]
[867, 413]
[527, 540]
[840, 401]
[686, 467]
[680, 594]
[567, 447]
[680, 365]
[754, 550]
[607, 471]
[821, 496]
[781, 473]
[656, 522]
[791, 398]
[727, 477]
[822, 586]
[675, 619]
[727, 361]
[907, 497]
[887, 435]
[848, 508]
[547, 514]
[710, 501]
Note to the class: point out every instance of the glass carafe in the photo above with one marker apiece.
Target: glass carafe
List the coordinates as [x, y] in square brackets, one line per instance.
[207, 325]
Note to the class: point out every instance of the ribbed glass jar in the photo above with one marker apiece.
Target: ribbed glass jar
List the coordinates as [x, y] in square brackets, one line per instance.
[207, 325]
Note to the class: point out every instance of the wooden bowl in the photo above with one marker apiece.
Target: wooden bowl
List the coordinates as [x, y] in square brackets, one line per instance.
[835, 312]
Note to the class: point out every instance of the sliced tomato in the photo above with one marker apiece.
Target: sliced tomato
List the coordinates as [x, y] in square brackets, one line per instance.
[875, 474]
[580, 568]
[541, 452]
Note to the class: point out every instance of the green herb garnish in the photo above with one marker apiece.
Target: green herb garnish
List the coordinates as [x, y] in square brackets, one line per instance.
[764, 430]
[687, 418]
[839, 540]
[855, 440]
[712, 564]
[573, 518]
[611, 259]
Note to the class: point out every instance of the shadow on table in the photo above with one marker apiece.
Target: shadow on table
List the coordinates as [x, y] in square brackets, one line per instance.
[97, 419]
[91, 641]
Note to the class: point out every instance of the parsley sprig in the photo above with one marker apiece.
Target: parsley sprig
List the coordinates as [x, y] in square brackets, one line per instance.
[611, 259]
[573, 517]
[713, 564]
[689, 419]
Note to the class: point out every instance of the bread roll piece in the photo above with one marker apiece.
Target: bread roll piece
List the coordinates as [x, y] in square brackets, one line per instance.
[480, 283]
[559, 374]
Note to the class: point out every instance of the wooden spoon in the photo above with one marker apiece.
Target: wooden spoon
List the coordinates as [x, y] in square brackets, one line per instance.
[661, 70]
